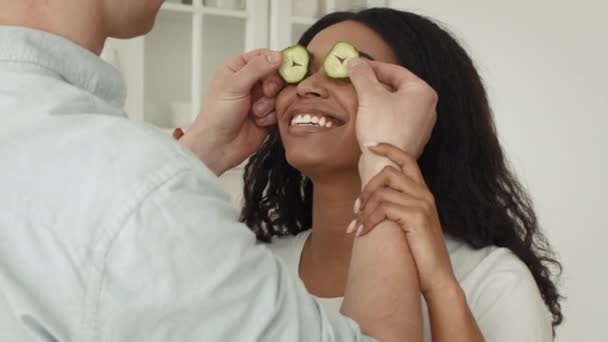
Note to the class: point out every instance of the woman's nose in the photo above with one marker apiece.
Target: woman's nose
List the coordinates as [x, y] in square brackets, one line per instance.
[313, 86]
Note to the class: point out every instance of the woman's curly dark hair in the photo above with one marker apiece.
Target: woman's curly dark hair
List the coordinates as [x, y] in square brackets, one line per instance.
[479, 199]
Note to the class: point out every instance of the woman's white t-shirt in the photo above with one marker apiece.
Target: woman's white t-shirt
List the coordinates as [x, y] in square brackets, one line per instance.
[500, 290]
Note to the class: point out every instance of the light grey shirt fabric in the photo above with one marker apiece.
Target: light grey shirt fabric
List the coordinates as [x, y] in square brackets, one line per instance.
[110, 231]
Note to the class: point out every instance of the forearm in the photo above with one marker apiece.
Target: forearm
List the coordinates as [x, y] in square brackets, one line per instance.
[382, 292]
[450, 316]
[208, 152]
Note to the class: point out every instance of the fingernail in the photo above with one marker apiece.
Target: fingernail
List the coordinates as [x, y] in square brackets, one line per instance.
[359, 231]
[261, 105]
[351, 227]
[268, 120]
[272, 87]
[370, 144]
[353, 62]
[274, 57]
[357, 206]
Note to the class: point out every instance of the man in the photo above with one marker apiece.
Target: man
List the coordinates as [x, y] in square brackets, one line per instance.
[110, 231]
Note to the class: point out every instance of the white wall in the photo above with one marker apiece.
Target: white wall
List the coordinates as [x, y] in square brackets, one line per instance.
[545, 64]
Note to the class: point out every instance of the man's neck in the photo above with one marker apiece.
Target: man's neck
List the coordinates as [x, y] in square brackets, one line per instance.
[81, 24]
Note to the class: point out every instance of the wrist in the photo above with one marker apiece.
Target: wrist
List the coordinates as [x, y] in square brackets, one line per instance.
[371, 164]
[449, 293]
[208, 151]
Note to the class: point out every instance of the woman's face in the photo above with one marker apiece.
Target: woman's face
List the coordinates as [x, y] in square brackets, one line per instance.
[331, 145]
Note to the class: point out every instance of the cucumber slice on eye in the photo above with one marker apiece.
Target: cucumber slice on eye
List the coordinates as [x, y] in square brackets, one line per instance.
[336, 62]
[296, 61]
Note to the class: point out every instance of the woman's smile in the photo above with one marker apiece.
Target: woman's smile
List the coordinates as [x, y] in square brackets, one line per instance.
[306, 119]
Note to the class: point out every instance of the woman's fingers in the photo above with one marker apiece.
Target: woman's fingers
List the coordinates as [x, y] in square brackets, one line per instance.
[394, 179]
[408, 218]
[394, 194]
[406, 162]
[387, 195]
[388, 204]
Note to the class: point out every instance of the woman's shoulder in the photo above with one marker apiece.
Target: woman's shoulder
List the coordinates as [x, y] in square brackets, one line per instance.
[289, 248]
[501, 292]
[489, 267]
[490, 270]
[288, 241]
[481, 264]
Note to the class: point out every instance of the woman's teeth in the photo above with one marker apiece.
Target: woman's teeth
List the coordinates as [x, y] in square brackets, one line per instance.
[312, 120]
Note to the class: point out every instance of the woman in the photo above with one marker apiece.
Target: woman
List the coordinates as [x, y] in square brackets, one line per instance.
[301, 185]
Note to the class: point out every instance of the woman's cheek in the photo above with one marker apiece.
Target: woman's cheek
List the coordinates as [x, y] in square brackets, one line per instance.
[283, 100]
[351, 102]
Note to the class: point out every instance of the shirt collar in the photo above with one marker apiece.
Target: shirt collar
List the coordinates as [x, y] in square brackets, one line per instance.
[70, 61]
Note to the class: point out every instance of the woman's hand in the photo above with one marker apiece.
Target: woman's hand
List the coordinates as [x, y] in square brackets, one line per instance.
[237, 110]
[401, 195]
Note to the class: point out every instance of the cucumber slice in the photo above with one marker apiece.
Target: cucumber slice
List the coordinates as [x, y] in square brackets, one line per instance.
[335, 63]
[296, 61]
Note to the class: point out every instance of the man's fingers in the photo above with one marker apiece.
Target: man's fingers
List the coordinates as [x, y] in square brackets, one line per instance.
[393, 75]
[401, 79]
[267, 121]
[264, 106]
[236, 63]
[363, 77]
[255, 70]
[366, 75]
[272, 84]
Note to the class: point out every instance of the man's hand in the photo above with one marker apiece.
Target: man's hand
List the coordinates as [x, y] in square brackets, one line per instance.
[395, 107]
[238, 110]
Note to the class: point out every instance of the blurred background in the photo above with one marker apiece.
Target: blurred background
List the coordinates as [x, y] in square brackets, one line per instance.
[545, 67]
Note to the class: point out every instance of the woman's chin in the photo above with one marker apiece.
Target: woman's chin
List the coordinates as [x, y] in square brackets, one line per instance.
[316, 166]
[306, 161]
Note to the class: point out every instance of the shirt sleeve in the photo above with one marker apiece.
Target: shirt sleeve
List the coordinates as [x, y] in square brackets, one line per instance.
[184, 269]
[508, 305]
